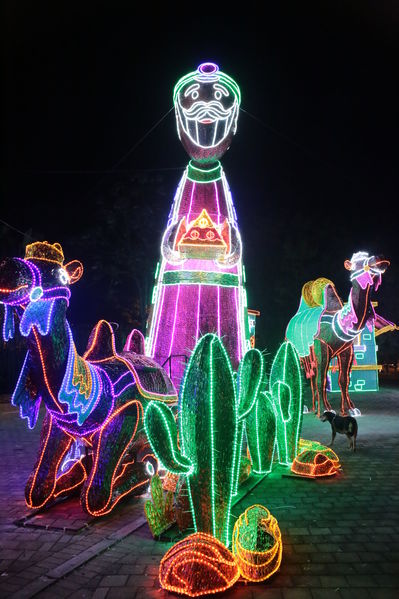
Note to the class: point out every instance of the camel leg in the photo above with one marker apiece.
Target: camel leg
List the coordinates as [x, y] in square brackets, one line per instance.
[323, 355]
[345, 359]
[54, 444]
[72, 475]
[313, 393]
[108, 482]
[313, 389]
[69, 482]
[313, 370]
[309, 374]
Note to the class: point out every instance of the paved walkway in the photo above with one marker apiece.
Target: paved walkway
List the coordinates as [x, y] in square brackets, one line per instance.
[340, 535]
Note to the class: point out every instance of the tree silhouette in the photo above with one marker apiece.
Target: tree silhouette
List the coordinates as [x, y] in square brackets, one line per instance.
[120, 249]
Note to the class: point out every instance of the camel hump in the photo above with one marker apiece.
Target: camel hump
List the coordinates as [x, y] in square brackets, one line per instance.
[101, 345]
[313, 292]
[332, 300]
[307, 294]
[135, 342]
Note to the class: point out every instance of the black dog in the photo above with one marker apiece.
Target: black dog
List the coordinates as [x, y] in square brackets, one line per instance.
[347, 425]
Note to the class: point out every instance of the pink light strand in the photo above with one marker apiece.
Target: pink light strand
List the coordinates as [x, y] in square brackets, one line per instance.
[174, 321]
[124, 389]
[218, 288]
[128, 340]
[236, 290]
[217, 201]
[120, 378]
[156, 326]
[191, 203]
[198, 314]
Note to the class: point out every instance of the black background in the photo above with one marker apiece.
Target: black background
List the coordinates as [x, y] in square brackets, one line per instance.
[313, 171]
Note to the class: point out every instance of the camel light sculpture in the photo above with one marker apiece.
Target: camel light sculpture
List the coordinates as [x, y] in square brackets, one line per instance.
[323, 328]
[92, 436]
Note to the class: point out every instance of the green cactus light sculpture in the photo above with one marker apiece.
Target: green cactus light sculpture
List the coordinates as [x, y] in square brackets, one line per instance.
[249, 379]
[261, 434]
[210, 423]
[208, 436]
[286, 394]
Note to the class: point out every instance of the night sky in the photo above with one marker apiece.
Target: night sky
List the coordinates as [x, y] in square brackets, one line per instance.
[313, 168]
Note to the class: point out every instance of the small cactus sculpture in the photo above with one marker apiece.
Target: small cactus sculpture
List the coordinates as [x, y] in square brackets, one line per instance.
[184, 516]
[159, 512]
[286, 393]
[249, 379]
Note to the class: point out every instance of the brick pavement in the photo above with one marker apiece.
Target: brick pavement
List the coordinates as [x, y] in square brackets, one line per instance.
[340, 534]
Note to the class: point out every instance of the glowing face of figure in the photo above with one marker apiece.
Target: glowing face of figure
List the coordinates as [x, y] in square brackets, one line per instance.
[206, 104]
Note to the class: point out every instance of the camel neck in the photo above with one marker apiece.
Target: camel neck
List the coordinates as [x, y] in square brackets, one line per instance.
[352, 318]
[49, 355]
[361, 304]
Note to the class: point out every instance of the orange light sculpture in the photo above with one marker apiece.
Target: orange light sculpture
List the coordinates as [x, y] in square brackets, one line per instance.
[257, 544]
[198, 565]
[315, 460]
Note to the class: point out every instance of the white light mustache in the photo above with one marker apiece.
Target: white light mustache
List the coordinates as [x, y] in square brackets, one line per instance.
[213, 110]
[207, 135]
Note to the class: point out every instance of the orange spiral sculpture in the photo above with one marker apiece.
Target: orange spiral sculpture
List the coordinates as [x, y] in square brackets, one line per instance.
[315, 463]
[257, 544]
[198, 565]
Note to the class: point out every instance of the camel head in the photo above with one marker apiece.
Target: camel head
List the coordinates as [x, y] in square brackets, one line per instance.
[41, 274]
[33, 284]
[366, 269]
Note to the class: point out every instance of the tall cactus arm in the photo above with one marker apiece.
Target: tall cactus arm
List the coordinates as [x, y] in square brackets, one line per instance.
[249, 380]
[161, 432]
[286, 388]
[286, 367]
[250, 373]
[282, 399]
[281, 395]
[261, 433]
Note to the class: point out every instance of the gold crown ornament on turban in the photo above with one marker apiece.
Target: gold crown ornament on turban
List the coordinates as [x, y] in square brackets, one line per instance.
[43, 250]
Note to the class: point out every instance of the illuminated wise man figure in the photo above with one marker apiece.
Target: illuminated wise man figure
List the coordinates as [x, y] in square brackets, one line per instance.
[199, 282]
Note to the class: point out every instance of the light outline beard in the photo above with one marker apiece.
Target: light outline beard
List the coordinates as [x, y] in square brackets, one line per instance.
[229, 121]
